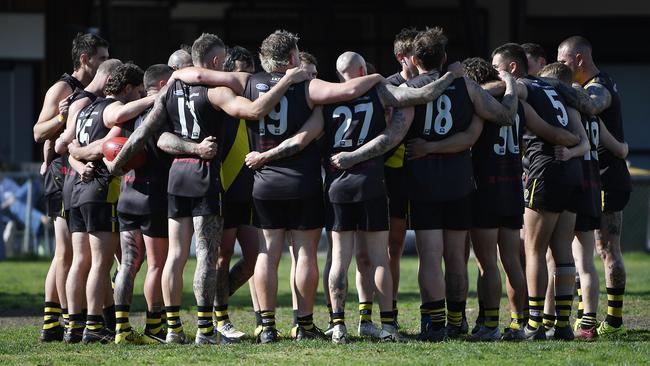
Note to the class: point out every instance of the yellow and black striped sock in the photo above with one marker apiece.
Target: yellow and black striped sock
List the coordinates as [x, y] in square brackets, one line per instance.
[563, 304]
[221, 314]
[455, 311]
[395, 311]
[204, 319]
[122, 324]
[588, 321]
[434, 312]
[77, 321]
[258, 318]
[268, 318]
[535, 310]
[330, 313]
[153, 323]
[548, 321]
[51, 313]
[491, 317]
[307, 321]
[174, 323]
[615, 306]
[94, 322]
[581, 305]
[66, 317]
[517, 321]
[365, 311]
[387, 317]
[109, 316]
[338, 318]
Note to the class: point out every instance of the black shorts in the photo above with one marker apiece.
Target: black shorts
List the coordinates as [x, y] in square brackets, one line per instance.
[483, 219]
[371, 215]
[587, 223]
[295, 214]
[614, 201]
[154, 225]
[54, 206]
[94, 217]
[550, 196]
[238, 213]
[448, 215]
[396, 191]
[178, 206]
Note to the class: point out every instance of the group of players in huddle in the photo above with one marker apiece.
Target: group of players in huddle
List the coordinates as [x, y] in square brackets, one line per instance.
[238, 155]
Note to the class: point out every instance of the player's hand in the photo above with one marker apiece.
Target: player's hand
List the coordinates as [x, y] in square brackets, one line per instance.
[297, 75]
[73, 147]
[342, 160]
[562, 153]
[64, 105]
[416, 148]
[255, 160]
[207, 149]
[112, 168]
[43, 168]
[504, 75]
[456, 69]
[88, 172]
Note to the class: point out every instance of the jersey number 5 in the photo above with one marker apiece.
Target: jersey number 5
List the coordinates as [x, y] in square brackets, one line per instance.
[563, 118]
[443, 121]
[341, 137]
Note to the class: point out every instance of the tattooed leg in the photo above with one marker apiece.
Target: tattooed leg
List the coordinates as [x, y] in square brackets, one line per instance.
[132, 257]
[208, 235]
[342, 250]
[609, 248]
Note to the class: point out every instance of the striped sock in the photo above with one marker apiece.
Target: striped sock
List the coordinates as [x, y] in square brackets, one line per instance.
[66, 317]
[122, 324]
[174, 323]
[535, 309]
[109, 316]
[330, 313]
[204, 319]
[365, 311]
[563, 304]
[268, 318]
[615, 306]
[51, 313]
[153, 323]
[455, 310]
[387, 317]
[307, 321]
[77, 321]
[94, 322]
[338, 318]
[258, 318]
[435, 311]
[492, 318]
[581, 305]
[221, 314]
[517, 321]
[548, 321]
[588, 321]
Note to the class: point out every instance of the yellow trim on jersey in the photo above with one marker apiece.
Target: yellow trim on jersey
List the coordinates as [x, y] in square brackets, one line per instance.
[602, 200]
[532, 194]
[234, 161]
[113, 190]
[397, 159]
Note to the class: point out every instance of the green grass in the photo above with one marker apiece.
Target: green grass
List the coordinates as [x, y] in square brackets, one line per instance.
[21, 297]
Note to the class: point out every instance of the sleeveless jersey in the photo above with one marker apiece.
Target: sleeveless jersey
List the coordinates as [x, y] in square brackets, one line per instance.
[615, 175]
[396, 79]
[104, 187]
[293, 177]
[440, 177]
[496, 156]
[144, 190]
[349, 126]
[590, 202]
[539, 153]
[236, 177]
[192, 117]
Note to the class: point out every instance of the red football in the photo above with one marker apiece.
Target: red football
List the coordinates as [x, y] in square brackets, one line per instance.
[112, 147]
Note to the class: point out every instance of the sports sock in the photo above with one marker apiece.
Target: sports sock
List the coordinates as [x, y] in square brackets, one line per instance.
[307, 321]
[77, 321]
[535, 309]
[387, 317]
[204, 319]
[94, 322]
[395, 311]
[153, 323]
[588, 321]
[581, 305]
[258, 318]
[517, 321]
[563, 304]
[330, 313]
[481, 312]
[51, 313]
[109, 316]
[435, 311]
[615, 306]
[66, 317]
[221, 314]
[338, 318]
[122, 324]
[455, 310]
[365, 311]
[268, 318]
[548, 321]
[174, 323]
[492, 317]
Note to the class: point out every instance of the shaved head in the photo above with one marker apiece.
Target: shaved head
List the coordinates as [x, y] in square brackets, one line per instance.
[576, 44]
[575, 52]
[107, 67]
[179, 59]
[350, 65]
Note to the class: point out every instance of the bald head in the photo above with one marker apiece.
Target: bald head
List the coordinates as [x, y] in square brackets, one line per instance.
[350, 65]
[179, 59]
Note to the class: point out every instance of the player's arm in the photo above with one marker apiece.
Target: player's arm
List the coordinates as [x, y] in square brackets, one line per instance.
[151, 124]
[86, 171]
[498, 88]
[92, 151]
[323, 92]
[175, 145]
[619, 149]
[199, 76]
[591, 101]
[489, 108]
[575, 125]
[552, 134]
[310, 130]
[389, 138]
[49, 121]
[66, 137]
[400, 97]
[461, 141]
[116, 113]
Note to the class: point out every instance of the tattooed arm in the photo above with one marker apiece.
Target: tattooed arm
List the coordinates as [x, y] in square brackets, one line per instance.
[489, 108]
[312, 128]
[417, 148]
[591, 101]
[175, 145]
[401, 97]
[389, 138]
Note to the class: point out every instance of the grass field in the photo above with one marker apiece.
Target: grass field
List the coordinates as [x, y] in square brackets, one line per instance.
[21, 298]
